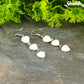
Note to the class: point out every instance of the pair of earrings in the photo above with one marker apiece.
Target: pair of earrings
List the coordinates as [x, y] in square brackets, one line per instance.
[46, 38]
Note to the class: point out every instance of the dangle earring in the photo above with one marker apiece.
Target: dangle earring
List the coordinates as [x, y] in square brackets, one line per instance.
[34, 47]
[54, 42]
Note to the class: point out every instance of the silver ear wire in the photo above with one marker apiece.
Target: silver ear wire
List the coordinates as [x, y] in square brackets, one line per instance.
[37, 35]
[20, 35]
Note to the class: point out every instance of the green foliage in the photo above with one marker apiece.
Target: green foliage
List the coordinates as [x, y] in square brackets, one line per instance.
[43, 11]
[53, 14]
[82, 1]
[57, 2]
[36, 11]
[56, 15]
[51, 11]
[9, 10]
[74, 14]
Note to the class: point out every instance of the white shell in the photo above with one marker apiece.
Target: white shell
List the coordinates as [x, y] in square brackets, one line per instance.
[65, 48]
[33, 47]
[25, 39]
[47, 39]
[41, 54]
[55, 42]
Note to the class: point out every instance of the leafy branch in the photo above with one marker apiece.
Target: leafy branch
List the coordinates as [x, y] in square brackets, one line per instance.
[51, 11]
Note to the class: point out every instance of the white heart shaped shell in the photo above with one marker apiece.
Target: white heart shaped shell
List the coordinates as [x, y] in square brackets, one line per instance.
[33, 47]
[65, 48]
[47, 38]
[55, 42]
[25, 39]
[41, 54]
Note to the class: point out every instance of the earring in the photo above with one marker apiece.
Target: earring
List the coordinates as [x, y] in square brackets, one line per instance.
[54, 42]
[34, 47]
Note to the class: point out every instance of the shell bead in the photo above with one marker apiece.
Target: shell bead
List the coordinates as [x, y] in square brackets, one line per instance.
[25, 39]
[41, 54]
[55, 42]
[33, 47]
[65, 48]
[47, 38]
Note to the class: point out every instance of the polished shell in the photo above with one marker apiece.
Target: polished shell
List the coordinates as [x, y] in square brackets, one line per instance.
[25, 39]
[41, 54]
[65, 48]
[33, 47]
[47, 38]
[55, 42]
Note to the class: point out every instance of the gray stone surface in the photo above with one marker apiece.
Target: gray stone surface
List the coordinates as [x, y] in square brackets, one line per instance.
[19, 65]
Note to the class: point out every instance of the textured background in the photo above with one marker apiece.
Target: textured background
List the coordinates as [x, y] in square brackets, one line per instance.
[19, 65]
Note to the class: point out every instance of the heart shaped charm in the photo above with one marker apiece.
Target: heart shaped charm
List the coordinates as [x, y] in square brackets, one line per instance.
[41, 54]
[65, 48]
[47, 39]
[55, 42]
[25, 39]
[33, 47]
